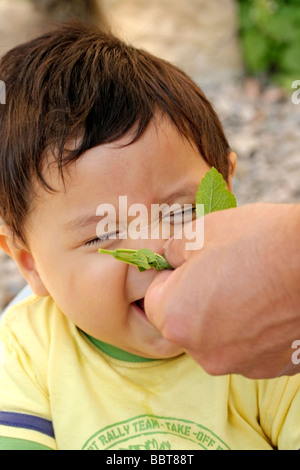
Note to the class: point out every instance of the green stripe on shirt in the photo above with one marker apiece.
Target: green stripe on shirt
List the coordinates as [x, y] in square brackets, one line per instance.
[8, 443]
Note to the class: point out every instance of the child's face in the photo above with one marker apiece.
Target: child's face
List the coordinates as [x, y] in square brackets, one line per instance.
[95, 291]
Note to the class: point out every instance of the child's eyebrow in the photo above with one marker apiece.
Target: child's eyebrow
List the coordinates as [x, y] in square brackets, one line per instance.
[82, 222]
[180, 194]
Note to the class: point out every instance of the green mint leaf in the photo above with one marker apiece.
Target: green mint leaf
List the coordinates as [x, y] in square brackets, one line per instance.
[214, 194]
[144, 258]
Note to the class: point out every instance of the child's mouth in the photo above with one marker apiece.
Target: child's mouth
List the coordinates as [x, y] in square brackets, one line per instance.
[140, 303]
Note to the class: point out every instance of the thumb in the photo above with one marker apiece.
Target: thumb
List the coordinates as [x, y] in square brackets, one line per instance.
[154, 297]
[175, 252]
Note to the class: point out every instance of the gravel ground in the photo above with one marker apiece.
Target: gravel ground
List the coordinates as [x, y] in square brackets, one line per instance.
[263, 127]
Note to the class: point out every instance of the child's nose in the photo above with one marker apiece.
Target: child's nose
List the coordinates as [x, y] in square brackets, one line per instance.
[156, 245]
[148, 236]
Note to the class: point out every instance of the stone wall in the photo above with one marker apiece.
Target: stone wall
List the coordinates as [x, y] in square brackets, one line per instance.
[21, 20]
[200, 36]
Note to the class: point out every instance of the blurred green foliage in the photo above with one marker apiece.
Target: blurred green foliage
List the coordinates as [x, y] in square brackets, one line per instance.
[270, 35]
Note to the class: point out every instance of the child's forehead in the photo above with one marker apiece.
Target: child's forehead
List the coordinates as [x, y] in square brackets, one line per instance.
[152, 162]
[161, 139]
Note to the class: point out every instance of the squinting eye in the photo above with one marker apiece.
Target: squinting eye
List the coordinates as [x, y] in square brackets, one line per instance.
[103, 238]
[93, 242]
[183, 215]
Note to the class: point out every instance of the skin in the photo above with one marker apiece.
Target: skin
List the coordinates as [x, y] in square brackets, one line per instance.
[235, 304]
[94, 290]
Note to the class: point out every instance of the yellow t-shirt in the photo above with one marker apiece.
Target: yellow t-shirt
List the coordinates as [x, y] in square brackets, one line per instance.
[61, 389]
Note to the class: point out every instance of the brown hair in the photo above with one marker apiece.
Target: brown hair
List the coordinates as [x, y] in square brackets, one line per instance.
[77, 82]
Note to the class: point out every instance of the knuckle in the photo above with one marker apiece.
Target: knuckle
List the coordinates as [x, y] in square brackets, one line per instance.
[172, 332]
[218, 362]
[213, 367]
[175, 328]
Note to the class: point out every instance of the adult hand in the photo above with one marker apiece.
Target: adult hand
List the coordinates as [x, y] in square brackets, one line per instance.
[234, 305]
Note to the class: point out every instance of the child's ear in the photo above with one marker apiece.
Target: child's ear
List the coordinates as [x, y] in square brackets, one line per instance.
[232, 160]
[24, 259]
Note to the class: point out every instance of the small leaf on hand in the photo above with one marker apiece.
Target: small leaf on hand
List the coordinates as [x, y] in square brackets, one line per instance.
[214, 194]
